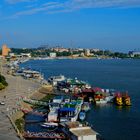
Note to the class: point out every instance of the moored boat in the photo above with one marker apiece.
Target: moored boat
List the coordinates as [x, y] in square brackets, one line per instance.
[49, 125]
[82, 115]
[118, 99]
[122, 99]
[126, 100]
[101, 101]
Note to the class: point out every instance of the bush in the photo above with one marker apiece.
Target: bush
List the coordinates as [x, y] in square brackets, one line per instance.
[1, 86]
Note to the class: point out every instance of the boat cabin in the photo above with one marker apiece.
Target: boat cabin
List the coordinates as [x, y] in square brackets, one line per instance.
[58, 99]
[66, 114]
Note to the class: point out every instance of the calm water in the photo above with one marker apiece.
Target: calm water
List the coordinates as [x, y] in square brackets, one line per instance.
[111, 122]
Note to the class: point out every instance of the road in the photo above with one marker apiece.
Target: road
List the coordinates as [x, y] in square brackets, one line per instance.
[17, 87]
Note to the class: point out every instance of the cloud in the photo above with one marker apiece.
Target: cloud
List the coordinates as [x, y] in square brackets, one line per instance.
[72, 5]
[45, 7]
[103, 3]
[18, 1]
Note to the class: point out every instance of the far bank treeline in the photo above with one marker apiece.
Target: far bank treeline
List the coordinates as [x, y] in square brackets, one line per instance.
[3, 82]
[40, 52]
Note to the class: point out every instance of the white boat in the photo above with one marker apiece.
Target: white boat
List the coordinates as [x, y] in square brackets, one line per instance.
[101, 101]
[49, 125]
[109, 99]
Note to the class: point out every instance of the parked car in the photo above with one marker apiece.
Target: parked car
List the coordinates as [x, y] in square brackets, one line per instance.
[2, 103]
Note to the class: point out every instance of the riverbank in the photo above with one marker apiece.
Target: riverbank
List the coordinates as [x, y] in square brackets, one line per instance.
[17, 88]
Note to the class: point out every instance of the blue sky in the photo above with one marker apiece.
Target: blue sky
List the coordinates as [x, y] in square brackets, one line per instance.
[104, 24]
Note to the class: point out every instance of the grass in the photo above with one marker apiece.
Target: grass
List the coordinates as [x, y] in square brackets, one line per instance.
[20, 124]
[47, 98]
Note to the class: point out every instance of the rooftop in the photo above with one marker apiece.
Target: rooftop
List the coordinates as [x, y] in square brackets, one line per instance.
[72, 124]
[83, 131]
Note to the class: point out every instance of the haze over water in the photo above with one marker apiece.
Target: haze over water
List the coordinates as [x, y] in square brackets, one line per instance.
[113, 123]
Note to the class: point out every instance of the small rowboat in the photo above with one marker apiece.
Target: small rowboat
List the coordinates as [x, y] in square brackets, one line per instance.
[82, 116]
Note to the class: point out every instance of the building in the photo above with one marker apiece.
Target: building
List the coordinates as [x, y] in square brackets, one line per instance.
[53, 55]
[11, 54]
[87, 52]
[95, 50]
[134, 53]
[77, 131]
[25, 54]
[5, 50]
[83, 133]
[61, 49]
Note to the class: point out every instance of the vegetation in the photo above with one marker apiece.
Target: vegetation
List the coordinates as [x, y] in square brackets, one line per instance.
[35, 52]
[45, 51]
[20, 124]
[47, 98]
[111, 54]
[3, 82]
[63, 53]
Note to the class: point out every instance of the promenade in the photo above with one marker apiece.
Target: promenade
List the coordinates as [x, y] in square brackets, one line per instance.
[17, 87]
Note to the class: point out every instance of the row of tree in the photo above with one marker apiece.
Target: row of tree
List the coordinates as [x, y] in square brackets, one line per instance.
[112, 54]
[3, 82]
[36, 52]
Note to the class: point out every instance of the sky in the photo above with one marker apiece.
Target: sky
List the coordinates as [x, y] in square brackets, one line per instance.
[104, 24]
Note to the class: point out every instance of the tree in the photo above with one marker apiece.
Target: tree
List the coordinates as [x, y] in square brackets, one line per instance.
[3, 80]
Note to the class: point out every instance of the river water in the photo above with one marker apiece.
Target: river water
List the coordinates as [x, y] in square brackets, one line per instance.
[113, 123]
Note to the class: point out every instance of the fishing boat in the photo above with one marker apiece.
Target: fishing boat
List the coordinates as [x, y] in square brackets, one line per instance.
[118, 99]
[82, 115]
[100, 97]
[126, 100]
[122, 99]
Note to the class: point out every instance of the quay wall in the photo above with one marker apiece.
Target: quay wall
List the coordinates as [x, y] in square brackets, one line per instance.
[13, 116]
[17, 115]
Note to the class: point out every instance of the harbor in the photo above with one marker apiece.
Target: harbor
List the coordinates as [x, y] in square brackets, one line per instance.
[102, 117]
[72, 99]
